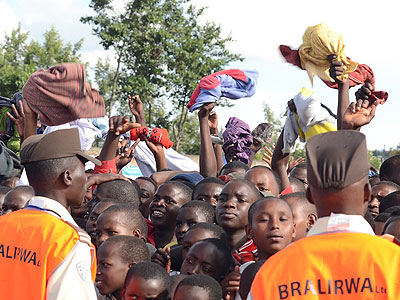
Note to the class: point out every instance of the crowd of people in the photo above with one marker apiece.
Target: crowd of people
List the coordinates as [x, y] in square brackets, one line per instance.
[74, 226]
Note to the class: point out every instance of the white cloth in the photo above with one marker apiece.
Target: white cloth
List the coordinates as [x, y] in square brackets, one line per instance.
[175, 161]
[72, 278]
[341, 222]
[87, 131]
[290, 133]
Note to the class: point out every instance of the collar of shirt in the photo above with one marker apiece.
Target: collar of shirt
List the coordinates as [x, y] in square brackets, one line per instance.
[53, 207]
[341, 223]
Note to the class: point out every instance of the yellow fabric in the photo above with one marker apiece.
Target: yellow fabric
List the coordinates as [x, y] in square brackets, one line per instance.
[315, 129]
[319, 42]
[169, 245]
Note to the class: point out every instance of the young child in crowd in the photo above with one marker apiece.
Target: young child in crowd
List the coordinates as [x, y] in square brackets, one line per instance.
[378, 192]
[210, 257]
[304, 213]
[120, 190]
[146, 280]
[148, 188]
[264, 179]
[94, 214]
[198, 286]
[208, 190]
[190, 214]
[114, 258]
[16, 198]
[163, 211]
[3, 191]
[300, 172]
[120, 219]
[297, 185]
[231, 214]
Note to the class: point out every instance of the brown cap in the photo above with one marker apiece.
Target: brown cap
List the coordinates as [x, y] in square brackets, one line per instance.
[336, 159]
[56, 144]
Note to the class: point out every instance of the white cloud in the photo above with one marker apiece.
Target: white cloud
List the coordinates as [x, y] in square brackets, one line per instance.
[9, 20]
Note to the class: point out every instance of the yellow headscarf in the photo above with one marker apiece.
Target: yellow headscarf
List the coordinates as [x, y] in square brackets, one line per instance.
[319, 42]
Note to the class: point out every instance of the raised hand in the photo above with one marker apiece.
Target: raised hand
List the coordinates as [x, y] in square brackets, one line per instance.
[336, 70]
[267, 155]
[136, 107]
[120, 125]
[213, 122]
[294, 162]
[19, 118]
[126, 156]
[205, 110]
[359, 114]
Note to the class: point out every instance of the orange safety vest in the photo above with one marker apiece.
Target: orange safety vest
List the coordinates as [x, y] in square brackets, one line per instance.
[342, 265]
[33, 244]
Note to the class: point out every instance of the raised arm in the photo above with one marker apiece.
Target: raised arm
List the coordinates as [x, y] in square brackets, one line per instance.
[279, 162]
[208, 162]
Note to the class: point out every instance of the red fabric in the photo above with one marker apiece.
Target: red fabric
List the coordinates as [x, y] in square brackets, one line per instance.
[62, 94]
[150, 233]
[210, 81]
[155, 135]
[225, 178]
[246, 252]
[362, 74]
[107, 166]
[286, 191]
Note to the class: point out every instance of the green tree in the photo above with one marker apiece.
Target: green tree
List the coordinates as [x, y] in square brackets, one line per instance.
[19, 58]
[161, 52]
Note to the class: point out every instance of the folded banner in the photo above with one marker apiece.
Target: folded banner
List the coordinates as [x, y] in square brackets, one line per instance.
[155, 135]
[62, 94]
[232, 84]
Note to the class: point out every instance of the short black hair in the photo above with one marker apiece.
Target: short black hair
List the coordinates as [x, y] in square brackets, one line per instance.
[205, 208]
[185, 190]
[226, 254]
[389, 183]
[207, 283]
[382, 217]
[389, 169]
[392, 199]
[122, 191]
[254, 206]
[132, 216]
[130, 248]
[27, 189]
[297, 184]
[214, 180]
[215, 229]
[150, 271]
[249, 184]
[149, 179]
[301, 198]
[235, 165]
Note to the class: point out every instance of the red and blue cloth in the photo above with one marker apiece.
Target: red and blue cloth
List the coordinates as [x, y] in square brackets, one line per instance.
[232, 84]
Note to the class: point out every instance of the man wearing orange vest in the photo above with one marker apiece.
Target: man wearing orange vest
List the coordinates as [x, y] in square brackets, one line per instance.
[340, 258]
[43, 252]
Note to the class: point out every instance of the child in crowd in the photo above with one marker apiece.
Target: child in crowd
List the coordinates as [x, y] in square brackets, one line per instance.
[198, 286]
[121, 190]
[191, 213]
[210, 257]
[236, 167]
[148, 188]
[264, 179]
[16, 198]
[115, 257]
[94, 214]
[208, 190]
[378, 192]
[164, 208]
[120, 219]
[146, 280]
[231, 214]
[3, 191]
[297, 185]
[300, 172]
[304, 213]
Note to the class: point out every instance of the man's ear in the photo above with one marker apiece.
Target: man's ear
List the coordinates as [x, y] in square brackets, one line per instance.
[294, 231]
[249, 232]
[311, 219]
[367, 192]
[67, 179]
[131, 264]
[309, 196]
[138, 234]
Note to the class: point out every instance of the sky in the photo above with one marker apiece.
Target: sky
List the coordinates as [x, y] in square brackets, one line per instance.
[258, 28]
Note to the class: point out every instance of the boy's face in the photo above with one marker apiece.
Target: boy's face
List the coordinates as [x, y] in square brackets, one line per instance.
[233, 205]
[208, 192]
[263, 179]
[192, 237]
[110, 224]
[186, 292]
[15, 201]
[111, 269]
[165, 205]
[92, 220]
[139, 288]
[377, 193]
[187, 217]
[203, 258]
[147, 192]
[300, 218]
[300, 174]
[272, 227]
